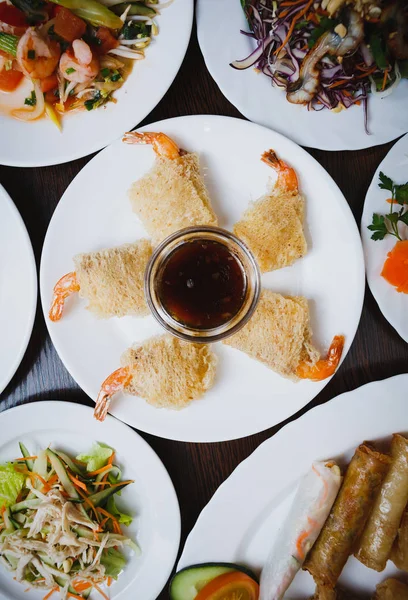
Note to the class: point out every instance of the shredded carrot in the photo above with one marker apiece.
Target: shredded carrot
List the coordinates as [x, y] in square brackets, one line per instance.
[51, 592]
[384, 83]
[26, 458]
[109, 582]
[299, 543]
[89, 502]
[77, 482]
[284, 13]
[115, 522]
[101, 470]
[70, 595]
[391, 201]
[113, 484]
[369, 72]
[98, 589]
[81, 586]
[292, 25]
[337, 83]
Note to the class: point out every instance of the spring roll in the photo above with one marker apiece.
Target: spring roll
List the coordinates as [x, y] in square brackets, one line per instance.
[311, 506]
[329, 593]
[382, 527]
[348, 516]
[399, 552]
[391, 589]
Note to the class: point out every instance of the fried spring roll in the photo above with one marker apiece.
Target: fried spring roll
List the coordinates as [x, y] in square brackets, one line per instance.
[391, 589]
[382, 526]
[311, 506]
[399, 553]
[328, 593]
[348, 516]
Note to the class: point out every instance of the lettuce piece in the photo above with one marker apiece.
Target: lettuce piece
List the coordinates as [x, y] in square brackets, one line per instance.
[113, 561]
[97, 457]
[11, 484]
[121, 517]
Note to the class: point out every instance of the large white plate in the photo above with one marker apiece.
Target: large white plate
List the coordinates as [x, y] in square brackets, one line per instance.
[221, 42]
[94, 213]
[151, 499]
[241, 521]
[40, 143]
[393, 304]
[18, 288]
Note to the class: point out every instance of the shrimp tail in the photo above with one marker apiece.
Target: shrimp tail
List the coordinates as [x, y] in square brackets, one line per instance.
[287, 179]
[66, 286]
[324, 367]
[113, 384]
[162, 144]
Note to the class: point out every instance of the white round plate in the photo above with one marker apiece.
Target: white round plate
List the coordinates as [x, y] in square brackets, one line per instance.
[241, 521]
[393, 304]
[39, 143]
[151, 499]
[18, 288]
[95, 213]
[219, 25]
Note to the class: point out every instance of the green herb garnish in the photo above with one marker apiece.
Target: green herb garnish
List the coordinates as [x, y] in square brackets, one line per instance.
[32, 100]
[383, 225]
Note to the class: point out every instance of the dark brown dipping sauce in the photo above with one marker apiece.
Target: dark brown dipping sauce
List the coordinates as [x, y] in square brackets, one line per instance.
[202, 284]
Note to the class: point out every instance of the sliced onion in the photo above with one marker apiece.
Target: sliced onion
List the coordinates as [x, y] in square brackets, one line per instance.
[37, 110]
[127, 53]
[124, 42]
[250, 60]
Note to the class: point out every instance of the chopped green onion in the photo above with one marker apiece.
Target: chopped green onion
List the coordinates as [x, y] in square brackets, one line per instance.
[9, 43]
[70, 70]
[31, 54]
[116, 76]
[105, 72]
[32, 100]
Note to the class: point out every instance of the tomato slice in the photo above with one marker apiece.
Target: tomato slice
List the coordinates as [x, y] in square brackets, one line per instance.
[49, 83]
[9, 80]
[12, 16]
[106, 39]
[67, 25]
[230, 586]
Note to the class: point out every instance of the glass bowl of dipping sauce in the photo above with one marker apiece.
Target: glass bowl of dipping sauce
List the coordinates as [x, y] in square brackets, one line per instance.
[202, 284]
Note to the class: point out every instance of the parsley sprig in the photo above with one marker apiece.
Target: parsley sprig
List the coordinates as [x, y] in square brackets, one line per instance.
[383, 225]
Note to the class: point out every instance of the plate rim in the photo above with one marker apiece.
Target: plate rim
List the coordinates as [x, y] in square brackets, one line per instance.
[285, 431]
[241, 108]
[68, 405]
[388, 316]
[30, 257]
[359, 301]
[76, 155]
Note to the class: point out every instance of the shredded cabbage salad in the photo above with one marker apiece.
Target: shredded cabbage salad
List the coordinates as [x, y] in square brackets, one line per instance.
[288, 32]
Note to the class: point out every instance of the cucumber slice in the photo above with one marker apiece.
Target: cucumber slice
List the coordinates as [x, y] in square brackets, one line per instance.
[186, 584]
[25, 452]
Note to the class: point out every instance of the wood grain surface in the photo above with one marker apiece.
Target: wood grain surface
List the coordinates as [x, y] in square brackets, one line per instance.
[196, 469]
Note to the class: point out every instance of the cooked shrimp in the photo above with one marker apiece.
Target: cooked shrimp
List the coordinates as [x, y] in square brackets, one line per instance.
[306, 87]
[112, 385]
[162, 144]
[37, 55]
[79, 64]
[66, 286]
[324, 367]
[287, 180]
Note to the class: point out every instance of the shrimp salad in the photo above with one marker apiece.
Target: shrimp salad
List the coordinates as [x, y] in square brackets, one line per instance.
[60, 529]
[329, 53]
[76, 53]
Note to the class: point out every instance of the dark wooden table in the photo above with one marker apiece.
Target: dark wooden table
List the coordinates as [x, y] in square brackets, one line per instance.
[196, 469]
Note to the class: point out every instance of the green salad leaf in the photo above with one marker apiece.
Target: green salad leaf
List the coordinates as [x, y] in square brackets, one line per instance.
[97, 457]
[11, 484]
[121, 517]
